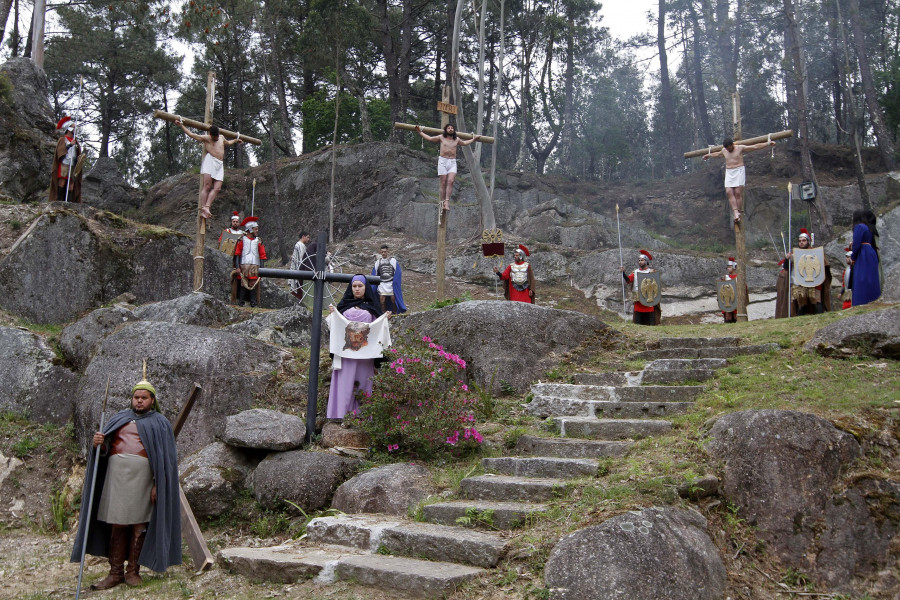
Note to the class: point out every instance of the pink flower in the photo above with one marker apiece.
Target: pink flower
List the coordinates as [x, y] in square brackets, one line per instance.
[425, 338]
[401, 370]
[392, 447]
[465, 388]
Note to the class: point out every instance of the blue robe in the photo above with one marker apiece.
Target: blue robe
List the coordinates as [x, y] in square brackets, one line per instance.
[162, 547]
[864, 279]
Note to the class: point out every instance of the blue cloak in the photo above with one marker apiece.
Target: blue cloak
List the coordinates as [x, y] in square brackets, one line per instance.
[864, 278]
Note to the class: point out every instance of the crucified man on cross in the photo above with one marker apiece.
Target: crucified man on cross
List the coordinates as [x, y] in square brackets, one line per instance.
[735, 176]
[213, 167]
[447, 158]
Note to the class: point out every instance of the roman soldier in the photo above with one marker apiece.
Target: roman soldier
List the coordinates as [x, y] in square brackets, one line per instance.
[248, 256]
[792, 300]
[730, 273]
[518, 278]
[230, 235]
[846, 292]
[643, 314]
[67, 164]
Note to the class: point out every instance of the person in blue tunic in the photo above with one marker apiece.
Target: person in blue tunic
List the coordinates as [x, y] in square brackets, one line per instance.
[864, 277]
[136, 513]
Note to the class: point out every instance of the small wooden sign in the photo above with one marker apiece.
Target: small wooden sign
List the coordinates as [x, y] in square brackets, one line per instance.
[444, 107]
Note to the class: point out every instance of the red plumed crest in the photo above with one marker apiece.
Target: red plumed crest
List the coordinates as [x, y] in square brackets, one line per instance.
[525, 250]
[646, 254]
[63, 123]
[249, 220]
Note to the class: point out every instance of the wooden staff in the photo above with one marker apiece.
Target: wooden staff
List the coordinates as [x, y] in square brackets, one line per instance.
[762, 138]
[435, 131]
[160, 114]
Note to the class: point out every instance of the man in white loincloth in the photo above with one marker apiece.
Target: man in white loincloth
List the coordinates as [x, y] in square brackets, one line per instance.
[213, 167]
[735, 176]
[447, 158]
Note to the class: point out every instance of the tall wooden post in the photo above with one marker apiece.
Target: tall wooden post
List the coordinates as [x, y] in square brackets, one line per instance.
[736, 116]
[442, 212]
[740, 241]
[37, 41]
[200, 241]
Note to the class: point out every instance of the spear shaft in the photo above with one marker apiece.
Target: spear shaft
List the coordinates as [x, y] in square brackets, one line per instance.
[90, 506]
[621, 262]
[74, 160]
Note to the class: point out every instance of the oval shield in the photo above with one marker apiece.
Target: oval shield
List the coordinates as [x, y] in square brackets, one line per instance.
[808, 269]
[649, 288]
[229, 241]
[726, 294]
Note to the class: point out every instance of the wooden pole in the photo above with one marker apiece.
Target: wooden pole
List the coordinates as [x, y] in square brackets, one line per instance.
[200, 241]
[736, 116]
[440, 266]
[167, 116]
[762, 138]
[434, 131]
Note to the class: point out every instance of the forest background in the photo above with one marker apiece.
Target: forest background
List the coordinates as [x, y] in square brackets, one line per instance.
[568, 99]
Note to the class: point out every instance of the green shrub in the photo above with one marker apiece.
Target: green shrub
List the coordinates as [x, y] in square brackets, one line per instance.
[419, 405]
[6, 88]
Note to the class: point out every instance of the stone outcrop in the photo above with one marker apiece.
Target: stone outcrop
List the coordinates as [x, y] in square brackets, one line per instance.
[79, 340]
[104, 187]
[390, 490]
[232, 370]
[31, 381]
[190, 309]
[27, 139]
[505, 342]
[653, 554]
[74, 258]
[264, 429]
[871, 334]
[213, 477]
[291, 326]
[308, 479]
[783, 470]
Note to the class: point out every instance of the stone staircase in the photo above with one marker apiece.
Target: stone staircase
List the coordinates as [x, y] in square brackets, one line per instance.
[597, 417]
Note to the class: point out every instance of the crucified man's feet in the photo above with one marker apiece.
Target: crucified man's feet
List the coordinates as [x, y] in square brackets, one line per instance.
[204, 212]
[446, 204]
[737, 216]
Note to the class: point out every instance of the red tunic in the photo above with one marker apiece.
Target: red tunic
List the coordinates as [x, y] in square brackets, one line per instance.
[514, 294]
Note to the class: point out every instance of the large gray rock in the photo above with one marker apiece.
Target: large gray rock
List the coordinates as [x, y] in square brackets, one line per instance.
[782, 469]
[889, 245]
[190, 309]
[653, 554]
[264, 429]
[389, 490]
[213, 477]
[289, 326]
[27, 140]
[30, 381]
[505, 342]
[232, 369]
[870, 334]
[308, 479]
[104, 187]
[103, 256]
[79, 340]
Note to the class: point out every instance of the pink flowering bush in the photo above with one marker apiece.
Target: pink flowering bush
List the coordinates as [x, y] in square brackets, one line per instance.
[420, 405]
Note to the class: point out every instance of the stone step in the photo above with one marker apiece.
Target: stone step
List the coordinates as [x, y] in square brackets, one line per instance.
[665, 364]
[396, 536]
[698, 342]
[502, 515]
[712, 352]
[569, 448]
[542, 466]
[644, 393]
[677, 376]
[280, 564]
[505, 487]
[615, 378]
[563, 407]
[610, 429]
[421, 578]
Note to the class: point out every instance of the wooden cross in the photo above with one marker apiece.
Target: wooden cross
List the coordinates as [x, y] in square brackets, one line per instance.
[319, 277]
[200, 239]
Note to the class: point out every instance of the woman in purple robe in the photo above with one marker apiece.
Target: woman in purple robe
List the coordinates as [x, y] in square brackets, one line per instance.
[864, 276]
[358, 304]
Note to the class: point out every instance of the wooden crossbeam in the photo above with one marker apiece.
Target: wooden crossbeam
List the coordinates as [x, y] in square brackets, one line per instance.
[762, 138]
[435, 131]
[161, 114]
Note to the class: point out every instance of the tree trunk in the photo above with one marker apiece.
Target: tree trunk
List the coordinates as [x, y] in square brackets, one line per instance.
[496, 118]
[837, 71]
[309, 88]
[435, 115]
[568, 127]
[278, 83]
[699, 86]
[283, 252]
[14, 37]
[27, 51]
[479, 117]
[5, 7]
[668, 104]
[396, 60]
[885, 145]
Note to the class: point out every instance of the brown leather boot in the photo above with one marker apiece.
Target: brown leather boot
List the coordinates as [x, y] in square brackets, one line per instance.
[132, 573]
[118, 548]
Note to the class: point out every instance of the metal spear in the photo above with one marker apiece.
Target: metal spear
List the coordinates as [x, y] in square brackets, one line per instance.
[621, 262]
[790, 216]
[253, 197]
[90, 505]
[74, 132]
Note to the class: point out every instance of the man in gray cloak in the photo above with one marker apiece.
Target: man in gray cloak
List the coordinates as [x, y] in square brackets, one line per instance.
[137, 508]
